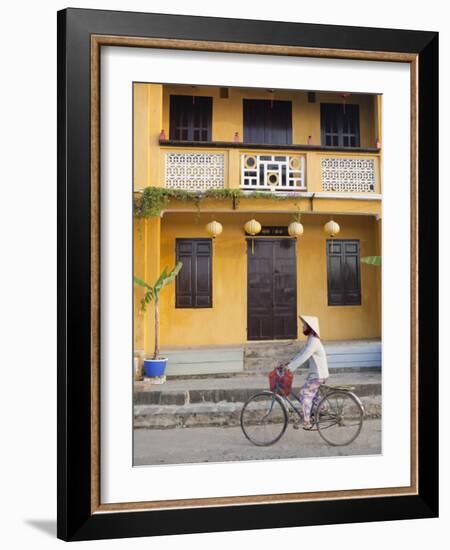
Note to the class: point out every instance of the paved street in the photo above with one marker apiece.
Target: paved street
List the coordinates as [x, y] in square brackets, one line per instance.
[190, 445]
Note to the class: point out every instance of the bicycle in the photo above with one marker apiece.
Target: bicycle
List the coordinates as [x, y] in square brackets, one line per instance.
[337, 414]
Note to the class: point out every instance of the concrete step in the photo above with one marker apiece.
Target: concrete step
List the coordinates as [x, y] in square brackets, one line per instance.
[231, 395]
[224, 414]
[185, 391]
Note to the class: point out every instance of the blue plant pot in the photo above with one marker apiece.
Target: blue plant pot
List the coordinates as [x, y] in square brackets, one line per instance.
[155, 367]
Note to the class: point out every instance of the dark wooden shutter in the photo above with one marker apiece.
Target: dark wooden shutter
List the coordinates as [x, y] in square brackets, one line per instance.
[329, 122]
[339, 125]
[194, 282]
[350, 125]
[190, 118]
[267, 121]
[344, 282]
[202, 274]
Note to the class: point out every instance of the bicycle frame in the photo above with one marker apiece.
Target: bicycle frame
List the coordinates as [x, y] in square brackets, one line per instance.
[323, 391]
[286, 401]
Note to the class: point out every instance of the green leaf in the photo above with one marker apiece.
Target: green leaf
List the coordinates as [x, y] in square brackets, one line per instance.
[153, 292]
[371, 260]
[171, 276]
[140, 282]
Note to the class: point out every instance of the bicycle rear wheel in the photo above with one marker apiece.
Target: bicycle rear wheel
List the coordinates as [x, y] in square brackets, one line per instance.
[264, 418]
[339, 418]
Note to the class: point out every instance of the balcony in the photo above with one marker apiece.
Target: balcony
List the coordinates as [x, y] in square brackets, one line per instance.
[348, 175]
[272, 172]
[194, 170]
[199, 166]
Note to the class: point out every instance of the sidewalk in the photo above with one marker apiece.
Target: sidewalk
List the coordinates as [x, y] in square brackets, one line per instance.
[217, 401]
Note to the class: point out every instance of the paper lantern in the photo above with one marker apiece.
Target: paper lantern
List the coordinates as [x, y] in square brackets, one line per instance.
[214, 229]
[331, 228]
[295, 229]
[252, 227]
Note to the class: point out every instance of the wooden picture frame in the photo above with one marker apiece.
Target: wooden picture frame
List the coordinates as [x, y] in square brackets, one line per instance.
[81, 35]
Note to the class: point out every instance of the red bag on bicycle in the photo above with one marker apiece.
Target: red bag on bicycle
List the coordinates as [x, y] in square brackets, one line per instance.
[280, 380]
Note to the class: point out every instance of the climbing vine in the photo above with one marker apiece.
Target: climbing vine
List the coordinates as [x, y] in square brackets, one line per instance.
[152, 200]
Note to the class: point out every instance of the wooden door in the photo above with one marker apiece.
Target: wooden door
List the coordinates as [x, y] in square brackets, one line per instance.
[272, 289]
[267, 121]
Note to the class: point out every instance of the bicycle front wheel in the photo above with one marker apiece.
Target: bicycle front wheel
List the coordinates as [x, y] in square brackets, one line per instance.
[339, 418]
[264, 418]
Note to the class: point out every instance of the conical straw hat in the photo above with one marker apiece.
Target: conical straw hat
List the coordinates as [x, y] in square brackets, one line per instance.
[311, 321]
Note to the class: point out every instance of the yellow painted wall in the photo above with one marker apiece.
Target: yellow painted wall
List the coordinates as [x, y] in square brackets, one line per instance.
[147, 117]
[225, 322]
[139, 257]
[319, 205]
[147, 267]
[141, 149]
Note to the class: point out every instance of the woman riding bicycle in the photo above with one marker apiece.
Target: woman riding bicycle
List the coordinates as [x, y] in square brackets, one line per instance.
[318, 373]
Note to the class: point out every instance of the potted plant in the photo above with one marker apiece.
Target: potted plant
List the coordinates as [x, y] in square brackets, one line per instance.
[156, 366]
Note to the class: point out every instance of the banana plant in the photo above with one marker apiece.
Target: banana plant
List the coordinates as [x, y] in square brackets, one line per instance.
[371, 260]
[152, 294]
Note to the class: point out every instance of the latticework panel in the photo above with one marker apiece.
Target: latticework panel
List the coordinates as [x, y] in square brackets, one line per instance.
[195, 171]
[273, 172]
[348, 175]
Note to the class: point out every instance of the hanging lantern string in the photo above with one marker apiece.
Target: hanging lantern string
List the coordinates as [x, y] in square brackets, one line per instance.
[344, 95]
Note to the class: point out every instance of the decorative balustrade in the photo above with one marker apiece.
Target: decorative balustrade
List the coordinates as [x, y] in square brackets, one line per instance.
[202, 170]
[273, 172]
[352, 175]
[195, 171]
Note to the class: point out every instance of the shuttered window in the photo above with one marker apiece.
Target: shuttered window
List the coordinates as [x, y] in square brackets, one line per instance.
[267, 121]
[339, 124]
[344, 281]
[190, 118]
[193, 285]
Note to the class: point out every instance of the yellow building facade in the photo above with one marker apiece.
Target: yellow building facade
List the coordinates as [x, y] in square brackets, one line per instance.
[232, 155]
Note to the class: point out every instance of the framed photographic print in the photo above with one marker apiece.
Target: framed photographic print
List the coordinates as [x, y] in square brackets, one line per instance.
[247, 274]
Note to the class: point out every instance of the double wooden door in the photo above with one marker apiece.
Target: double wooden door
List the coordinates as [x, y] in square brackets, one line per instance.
[272, 289]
